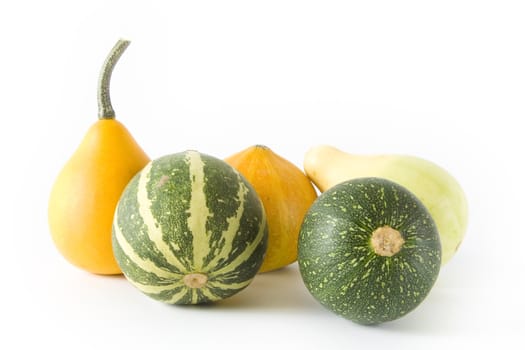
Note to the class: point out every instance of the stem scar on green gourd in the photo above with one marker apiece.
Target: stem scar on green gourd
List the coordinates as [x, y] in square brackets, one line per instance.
[105, 109]
[386, 241]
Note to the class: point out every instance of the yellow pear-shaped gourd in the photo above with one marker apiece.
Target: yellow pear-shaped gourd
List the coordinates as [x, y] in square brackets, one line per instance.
[327, 166]
[286, 194]
[86, 191]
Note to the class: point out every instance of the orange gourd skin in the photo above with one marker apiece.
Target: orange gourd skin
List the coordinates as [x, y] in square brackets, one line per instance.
[85, 194]
[286, 194]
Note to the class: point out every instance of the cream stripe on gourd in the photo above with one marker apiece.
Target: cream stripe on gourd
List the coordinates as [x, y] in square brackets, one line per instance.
[154, 230]
[145, 264]
[198, 211]
[217, 284]
[209, 294]
[176, 297]
[234, 223]
[194, 296]
[247, 252]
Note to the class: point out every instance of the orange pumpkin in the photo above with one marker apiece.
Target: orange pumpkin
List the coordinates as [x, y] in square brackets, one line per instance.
[86, 191]
[286, 194]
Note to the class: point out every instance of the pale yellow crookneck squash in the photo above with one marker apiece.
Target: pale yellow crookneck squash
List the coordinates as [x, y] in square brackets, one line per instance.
[327, 166]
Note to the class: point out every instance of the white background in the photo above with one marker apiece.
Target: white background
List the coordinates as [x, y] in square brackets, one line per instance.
[443, 80]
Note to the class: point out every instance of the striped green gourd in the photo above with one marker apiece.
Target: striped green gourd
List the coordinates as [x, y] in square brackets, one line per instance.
[189, 229]
[369, 250]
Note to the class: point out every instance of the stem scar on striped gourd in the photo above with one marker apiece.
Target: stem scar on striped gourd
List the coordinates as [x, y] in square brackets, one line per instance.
[195, 280]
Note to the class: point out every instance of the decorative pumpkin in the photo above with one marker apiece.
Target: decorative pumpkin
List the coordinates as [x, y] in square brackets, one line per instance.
[286, 194]
[189, 229]
[86, 191]
[369, 250]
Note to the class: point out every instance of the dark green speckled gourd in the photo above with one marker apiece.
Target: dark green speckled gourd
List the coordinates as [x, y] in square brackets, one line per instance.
[369, 250]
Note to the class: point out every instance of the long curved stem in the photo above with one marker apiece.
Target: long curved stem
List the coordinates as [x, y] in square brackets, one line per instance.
[105, 109]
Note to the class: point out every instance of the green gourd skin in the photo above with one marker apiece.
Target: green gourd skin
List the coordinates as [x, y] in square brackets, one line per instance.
[341, 261]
